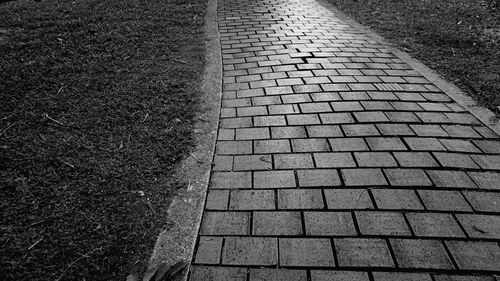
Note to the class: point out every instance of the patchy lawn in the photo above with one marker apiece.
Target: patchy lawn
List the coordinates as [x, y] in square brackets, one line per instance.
[97, 103]
[460, 39]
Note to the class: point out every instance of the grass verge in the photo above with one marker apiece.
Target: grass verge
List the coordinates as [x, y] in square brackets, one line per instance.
[97, 103]
[460, 39]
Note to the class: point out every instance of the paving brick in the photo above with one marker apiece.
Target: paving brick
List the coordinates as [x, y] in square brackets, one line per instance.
[226, 134]
[274, 179]
[284, 109]
[329, 224]
[325, 96]
[348, 199]
[296, 98]
[265, 274]
[293, 161]
[252, 162]
[382, 223]
[395, 130]
[459, 145]
[362, 252]
[472, 255]
[263, 121]
[236, 102]
[319, 131]
[234, 147]
[334, 160]
[438, 200]
[336, 118]
[484, 201]
[354, 130]
[277, 223]
[456, 179]
[363, 177]
[346, 106]
[383, 143]
[209, 249]
[415, 159]
[250, 251]
[306, 252]
[443, 277]
[406, 276]
[288, 132]
[252, 200]
[488, 146]
[222, 163]
[406, 106]
[348, 144]
[486, 180]
[310, 145]
[323, 177]
[327, 275]
[461, 131]
[230, 180]
[375, 159]
[217, 199]
[271, 146]
[225, 223]
[227, 112]
[428, 254]
[402, 117]
[205, 273]
[300, 199]
[434, 225]
[487, 161]
[407, 177]
[371, 116]
[246, 93]
[252, 133]
[455, 160]
[354, 95]
[396, 199]
[480, 226]
[429, 131]
[303, 119]
[279, 90]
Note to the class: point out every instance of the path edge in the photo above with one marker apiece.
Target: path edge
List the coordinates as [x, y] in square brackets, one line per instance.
[486, 116]
[177, 242]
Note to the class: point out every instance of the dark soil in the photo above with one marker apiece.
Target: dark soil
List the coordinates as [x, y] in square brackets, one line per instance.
[97, 103]
[458, 38]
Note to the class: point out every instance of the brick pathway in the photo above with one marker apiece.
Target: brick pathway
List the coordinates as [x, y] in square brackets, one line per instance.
[335, 160]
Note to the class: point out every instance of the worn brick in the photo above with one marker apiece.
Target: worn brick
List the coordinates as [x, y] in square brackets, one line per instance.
[293, 161]
[325, 96]
[354, 96]
[303, 119]
[348, 106]
[484, 201]
[491, 162]
[398, 199]
[217, 199]
[225, 134]
[371, 116]
[288, 132]
[480, 226]
[428, 254]
[459, 145]
[225, 223]
[329, 224]
[402, 117]
[300, 199]
[415, 159]
[265, 274]
[460, 131]
[407, 177]
[363, 177]
[250, 251]
[384, 143]
[472, 255]
[229, 180]
[296, 98]
[306, 252]
[334, 160]
[348, 144]
[209, 249]
[455, 160]
[486, 180]
[488, 146]
[284, 109]
[263, 121]
[274, 179]
[382, 223]
[362, 252]
[279, 90]
[429, 131]
[328, 275]
[271, 146]
[375, 159]
[310, 145]
[205, 273]
[434, 225]
[277, 223]
[323, 177]
[222, 163]
[376, 105]
[457, 179]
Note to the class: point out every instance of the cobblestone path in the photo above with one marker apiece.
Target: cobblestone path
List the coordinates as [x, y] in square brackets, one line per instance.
[335, 160]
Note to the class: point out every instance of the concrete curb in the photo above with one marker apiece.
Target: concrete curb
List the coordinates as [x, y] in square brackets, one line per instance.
[184, 215]
[483, 114]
